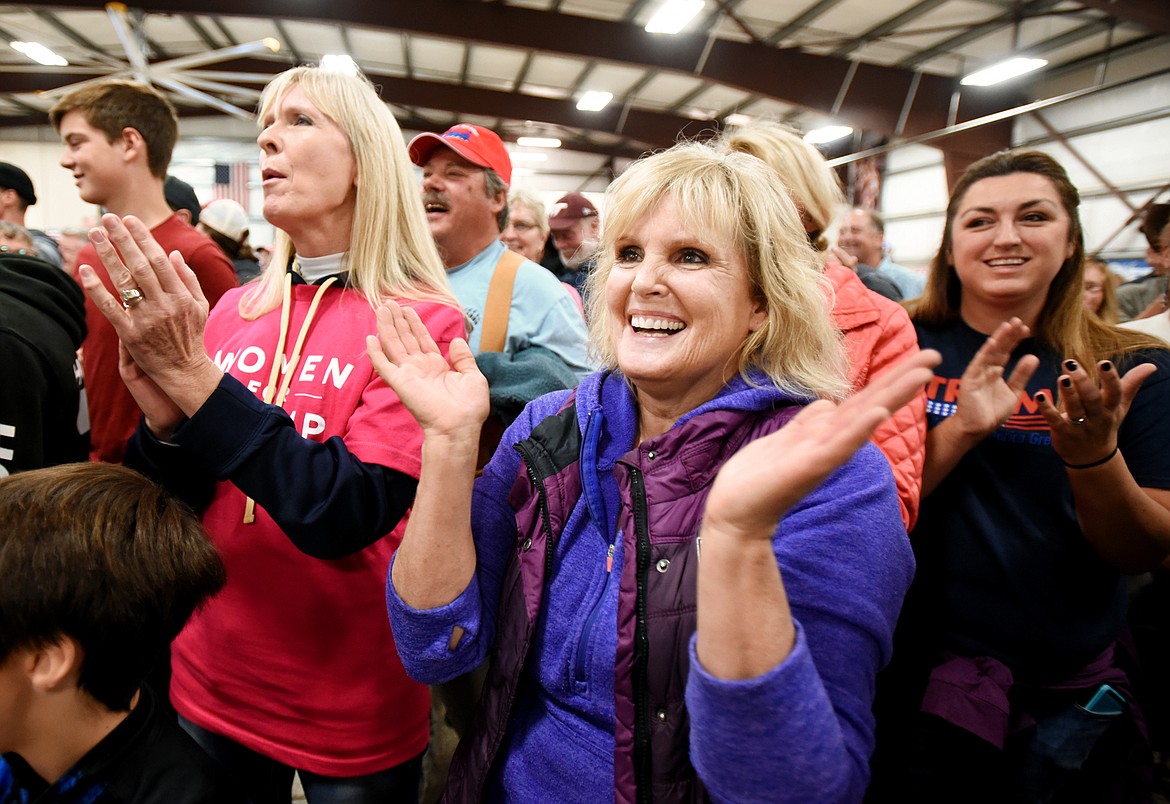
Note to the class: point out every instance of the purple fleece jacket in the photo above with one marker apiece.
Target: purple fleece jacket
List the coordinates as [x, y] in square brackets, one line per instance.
[801, 732]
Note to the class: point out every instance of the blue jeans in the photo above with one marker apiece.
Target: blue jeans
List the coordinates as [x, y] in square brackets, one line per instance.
[267, 781]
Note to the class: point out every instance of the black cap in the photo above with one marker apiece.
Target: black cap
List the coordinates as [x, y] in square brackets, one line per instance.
[13, 178]
[181, 195]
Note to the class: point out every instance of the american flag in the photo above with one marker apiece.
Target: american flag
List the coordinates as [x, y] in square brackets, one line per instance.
[231, 181]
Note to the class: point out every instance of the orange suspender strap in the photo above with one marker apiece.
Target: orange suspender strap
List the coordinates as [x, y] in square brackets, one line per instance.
[499, 302]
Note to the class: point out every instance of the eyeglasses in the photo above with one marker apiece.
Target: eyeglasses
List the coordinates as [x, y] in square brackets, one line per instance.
[522, 226]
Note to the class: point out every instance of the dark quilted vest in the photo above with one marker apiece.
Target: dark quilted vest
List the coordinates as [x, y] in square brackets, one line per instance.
[664, 485]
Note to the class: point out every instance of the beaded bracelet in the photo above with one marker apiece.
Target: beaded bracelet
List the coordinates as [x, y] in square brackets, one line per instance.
[1106, 459]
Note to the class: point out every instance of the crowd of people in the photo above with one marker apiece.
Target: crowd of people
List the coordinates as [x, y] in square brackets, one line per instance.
[714, 509]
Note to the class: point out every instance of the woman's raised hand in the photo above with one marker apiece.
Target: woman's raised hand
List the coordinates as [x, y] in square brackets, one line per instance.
[768, 476]
[447, 399]
[986, 397]
[161, 314]
[1085, 421]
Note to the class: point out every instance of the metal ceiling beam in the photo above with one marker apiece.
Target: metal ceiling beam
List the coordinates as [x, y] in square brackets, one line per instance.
[649, 128]
[407, 57]
[1152, 14]
[954, 158]
[204, 35]
[874, 101]
[91, 49]
[973, 33]
[65, 30]
[286, 40]
[223, 29]
[1080, 33]
[465, 67]
[800, 21]
[726, 7]
[888, 26]
[655, 129]
[712, 19]
[522, 75]
[41, 82]
[1134, 46]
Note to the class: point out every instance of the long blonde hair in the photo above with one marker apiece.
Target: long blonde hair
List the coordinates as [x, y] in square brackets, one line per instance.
[1064, 324]
[810, 181]
[391, 251]
[797, 347]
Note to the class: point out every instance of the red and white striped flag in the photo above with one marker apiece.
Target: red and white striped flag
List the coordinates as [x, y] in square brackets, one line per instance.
[231, 181]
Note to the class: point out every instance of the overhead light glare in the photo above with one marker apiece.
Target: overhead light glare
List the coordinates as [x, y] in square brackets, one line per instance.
[39, 53]
[594, 101]
[826, 134]
[737, 119]
[521, 171]
[526, 156]
[673, 16]
[271, 43]
[340, 63]
[538, 142]
[1003, 71]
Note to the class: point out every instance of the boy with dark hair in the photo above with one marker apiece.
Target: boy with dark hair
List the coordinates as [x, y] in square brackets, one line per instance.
[101, 570]
[118, 138]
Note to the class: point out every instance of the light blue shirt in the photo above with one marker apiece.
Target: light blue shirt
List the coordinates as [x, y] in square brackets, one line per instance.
[542, 313]
[911, 283]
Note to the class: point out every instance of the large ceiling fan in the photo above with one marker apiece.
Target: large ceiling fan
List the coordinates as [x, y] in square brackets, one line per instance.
[181, 76]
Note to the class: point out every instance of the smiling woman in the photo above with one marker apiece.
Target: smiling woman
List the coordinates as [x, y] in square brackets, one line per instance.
[1047, 476]
[744, 678]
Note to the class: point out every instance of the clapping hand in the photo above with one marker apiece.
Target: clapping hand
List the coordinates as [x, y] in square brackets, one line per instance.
[159, 314]
[447, 399]
[768, 476]
[1085, 422]
[986, 397]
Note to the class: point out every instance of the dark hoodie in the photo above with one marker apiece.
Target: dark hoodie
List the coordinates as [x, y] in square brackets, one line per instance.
[43, 416]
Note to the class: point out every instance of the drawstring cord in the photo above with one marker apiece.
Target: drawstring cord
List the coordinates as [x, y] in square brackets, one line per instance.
[271, 395]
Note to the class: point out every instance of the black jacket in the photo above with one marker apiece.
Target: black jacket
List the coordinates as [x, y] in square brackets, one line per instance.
[147, 759]
[43, 416]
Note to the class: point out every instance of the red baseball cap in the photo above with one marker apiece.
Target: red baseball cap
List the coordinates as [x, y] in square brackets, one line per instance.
[568, 210]
[476, 144]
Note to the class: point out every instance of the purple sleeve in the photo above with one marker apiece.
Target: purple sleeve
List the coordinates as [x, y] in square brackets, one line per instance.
[423, 635]
[804, 730]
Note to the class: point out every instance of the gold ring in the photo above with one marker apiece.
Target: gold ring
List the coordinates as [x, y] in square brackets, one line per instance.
[130, 297]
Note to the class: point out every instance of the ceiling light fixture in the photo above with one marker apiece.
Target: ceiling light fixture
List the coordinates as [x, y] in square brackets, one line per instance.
[39, 53]
[737, 119]
[826, 134]
[538, 142]
[673, 16]
[1003, 71]
[594, 101]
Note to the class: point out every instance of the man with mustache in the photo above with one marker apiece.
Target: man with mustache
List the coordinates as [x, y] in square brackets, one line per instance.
[466, 173]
